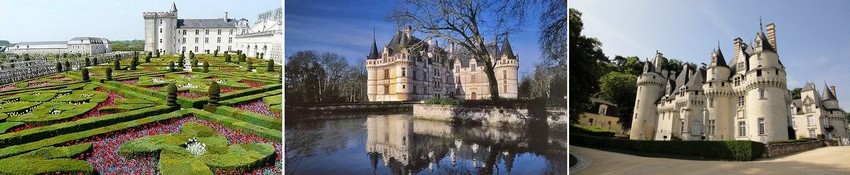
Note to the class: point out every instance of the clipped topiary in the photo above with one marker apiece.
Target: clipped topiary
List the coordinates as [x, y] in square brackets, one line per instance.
[250, 66]
[214, 92]
[58, 67]
[88, 62]
[242, 58]
[194, 62]
[67, 65]
[215, 53]
[270, 66]
[94, 61]
[156, 54]
[191, 55]
[171, 66]
[171, 101]
[206, 67]
[226, 58]
[108, 73]
[180, 63]
[116, 64]
[85, 73]
[134, 63]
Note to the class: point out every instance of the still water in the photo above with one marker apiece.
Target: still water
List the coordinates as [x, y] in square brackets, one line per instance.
[398, 144]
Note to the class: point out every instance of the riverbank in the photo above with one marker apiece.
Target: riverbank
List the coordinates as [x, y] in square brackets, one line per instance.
[491, 115]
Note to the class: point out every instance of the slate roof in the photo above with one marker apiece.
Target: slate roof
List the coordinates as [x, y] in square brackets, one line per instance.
[718, 58]
[765, 44]
[827, 94]
[206, 23]
[42, 43]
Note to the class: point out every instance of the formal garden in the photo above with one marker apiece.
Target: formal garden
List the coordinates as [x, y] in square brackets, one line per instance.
[145, 113]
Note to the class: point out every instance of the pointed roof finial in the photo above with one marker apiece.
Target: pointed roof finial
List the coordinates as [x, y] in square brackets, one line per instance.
[761, 27]
[173, 7]
[373, 52]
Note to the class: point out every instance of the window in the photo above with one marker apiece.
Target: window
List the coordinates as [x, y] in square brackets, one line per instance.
[228, 47]
[160, 40]
[742, 129]
[758, 72]
[386, 73]
[741, 101]
[184, 48]
[218, 40]
[217, 47]
[160, 22]
[229, 39]
[504, 74]
[386, 89]
[219, 31]
[403, 72]
[811, 120]
[711, 127]
[196, 48]
[808, 108]
[473, 78]
[761, 126]
[793, 124]
[710, 102]
[206, 40]
[206, 32]
[196, 32]
[811, 133]
[472, 68]
[184, 32]
[196, 39]
[184, 40]
[761, 93]
[637, 105]
[603, 109]
[160, 30]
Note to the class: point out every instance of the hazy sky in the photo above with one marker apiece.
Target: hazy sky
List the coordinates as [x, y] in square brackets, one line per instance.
[345, 27]
[813, 39]
[57, 20]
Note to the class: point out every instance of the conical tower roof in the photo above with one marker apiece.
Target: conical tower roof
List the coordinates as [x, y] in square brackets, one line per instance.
[717, 58]
[173, 7]
[827, 93]
[507, 50]
[373, 52]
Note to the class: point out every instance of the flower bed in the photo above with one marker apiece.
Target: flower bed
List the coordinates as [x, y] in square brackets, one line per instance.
[188, 94]
[106, 159]
[38, 84]
[252, 83]
[257, 106]
[130, 81]
[95, 112]
[7, 87]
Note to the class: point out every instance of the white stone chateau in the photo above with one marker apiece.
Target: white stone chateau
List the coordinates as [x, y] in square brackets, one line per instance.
[745, 99]
[408, 68]
[168, 34]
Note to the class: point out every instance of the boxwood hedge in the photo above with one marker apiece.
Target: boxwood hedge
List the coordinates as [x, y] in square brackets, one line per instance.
[740, 150]
[238, 124]
[250, 117]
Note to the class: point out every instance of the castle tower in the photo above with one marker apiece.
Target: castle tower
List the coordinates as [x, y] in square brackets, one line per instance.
[718, 92]
[764, 91]
[834, 115]
[506, 72]
[160, 29]
[650, 88]
[372, 71]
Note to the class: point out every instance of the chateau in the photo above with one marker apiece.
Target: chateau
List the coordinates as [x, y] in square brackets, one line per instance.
[744, 99]
[168, 34]
[81, 45]
[408, 68]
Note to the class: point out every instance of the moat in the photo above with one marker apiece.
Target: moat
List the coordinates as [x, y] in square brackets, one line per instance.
[398, 144]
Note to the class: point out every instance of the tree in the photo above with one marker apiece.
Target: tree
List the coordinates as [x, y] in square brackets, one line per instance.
[156, 53]
[94, 61]
[621, 89]
[171, 99]
[270, 66]
[191, 55]
[58, 67]
[85, 73]
[67, 65]
[585, 57]
[465, 23]
[795, 93]
[88, 62]
[116, 64]
[242, 58]
[206, 67]
[302, 76]
[524, 89]
[250, 66]
[171, 66]
[108, 73]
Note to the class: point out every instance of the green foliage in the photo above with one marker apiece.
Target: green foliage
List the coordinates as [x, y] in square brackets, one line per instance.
[213, 93]
[67, 66]
[621, 89]
[94, 61]
[242, 58]
[171, 66]
[795, 93]
[591, 131]
[238, 124]
[443, 101]
[206, 67]
[227, 58]
[108, 73]
[85, 73]
[729, 150]
[180, 63]
[5, 126]
[215, 53]
[270, 66]
[250, 117]
[58, 67]
[116, 65]
[88, 62]
[586, 58]
[128, 45]
[250, 66]
[794, 141]
[49, 160]
[156, 53]
[171, 101]
[174, 159]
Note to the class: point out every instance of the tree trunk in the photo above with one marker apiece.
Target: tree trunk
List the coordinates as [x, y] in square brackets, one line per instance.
[491, 80]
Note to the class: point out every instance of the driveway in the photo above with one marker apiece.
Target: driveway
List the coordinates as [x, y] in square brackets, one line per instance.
[827, 160]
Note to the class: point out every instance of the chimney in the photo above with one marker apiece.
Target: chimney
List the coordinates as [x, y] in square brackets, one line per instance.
[738, 43]
[407, 31]
[771, 35]
[225, 16]
[831, 87]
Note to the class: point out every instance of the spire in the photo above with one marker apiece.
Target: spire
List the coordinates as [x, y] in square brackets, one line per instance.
[373, 54]
[507, 50]
[173, 7]
[761, 27]
[717, 57]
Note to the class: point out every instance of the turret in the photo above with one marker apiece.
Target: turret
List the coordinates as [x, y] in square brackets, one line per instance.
[718, 101]
[650, 90]
[764, 96]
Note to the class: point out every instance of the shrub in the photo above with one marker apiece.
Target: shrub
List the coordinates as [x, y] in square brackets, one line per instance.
[215, 53]
[88, 62]
[242, 58]
[67, 65]
[58, 67]
[134, 63]
[194, 62]
[226, 58]
[270, 66]
[213, 93]
[740, 150]
[149, 55]
[156, 53]
[116, 64]
[171, 66]
[250, 66]
[250, 117]
[85, 74]
[591, 131]
[94, 61]
[238, 124]
[108, 73]
[180, 63]
[206, 67]
[442, 101]
[191, 55]
[171, 101]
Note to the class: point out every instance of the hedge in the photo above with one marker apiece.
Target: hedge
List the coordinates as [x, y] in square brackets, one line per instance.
[250, 117]
[57, 139]
[740, 150]
[39, 133]
[238, 124]
[591, 131]
[239, 100]
[49, 160]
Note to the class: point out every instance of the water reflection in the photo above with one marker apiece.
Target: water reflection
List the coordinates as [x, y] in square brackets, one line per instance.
[397, 144]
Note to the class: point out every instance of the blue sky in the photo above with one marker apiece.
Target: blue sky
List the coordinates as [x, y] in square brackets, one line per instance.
[56, 20]
[813, 39]
[345, 27]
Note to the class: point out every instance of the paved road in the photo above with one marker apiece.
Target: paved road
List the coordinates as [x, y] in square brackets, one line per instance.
[828, 160]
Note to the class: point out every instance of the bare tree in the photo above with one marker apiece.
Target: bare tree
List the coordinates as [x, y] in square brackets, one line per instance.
[466, 22]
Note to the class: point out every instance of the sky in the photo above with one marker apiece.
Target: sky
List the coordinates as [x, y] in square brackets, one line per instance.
[57, 20]
[345, 27]
[813, 39]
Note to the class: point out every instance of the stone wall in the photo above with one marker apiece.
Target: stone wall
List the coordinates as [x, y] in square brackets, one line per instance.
[486, 115]
[779, 149]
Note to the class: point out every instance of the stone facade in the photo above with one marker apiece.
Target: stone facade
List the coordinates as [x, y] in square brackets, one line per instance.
[745, 99]
[265, 37]
[814, 114]
[168, 34]
[603, 114]
[779, 149]
[409, 69]
[81, 45]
